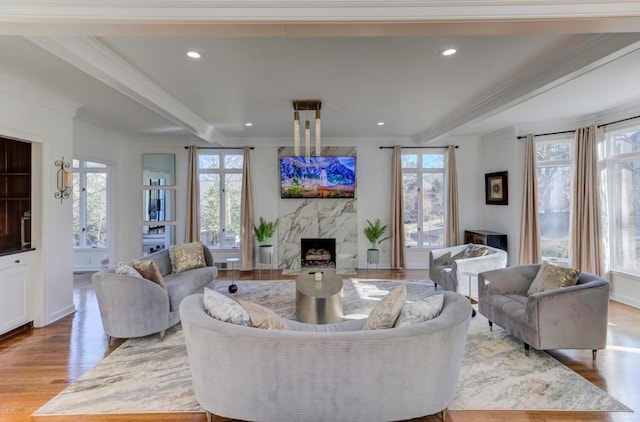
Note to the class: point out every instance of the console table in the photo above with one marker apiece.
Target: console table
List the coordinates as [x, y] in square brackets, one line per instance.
[486, 237]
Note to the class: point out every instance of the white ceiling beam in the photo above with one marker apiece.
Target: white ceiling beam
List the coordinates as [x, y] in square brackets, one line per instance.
[560, 66]
[94, 58]
[307, 10]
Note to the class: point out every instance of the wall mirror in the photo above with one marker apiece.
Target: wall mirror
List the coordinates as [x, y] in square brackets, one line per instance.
[158, 169]
[156, 238]
[158, 204]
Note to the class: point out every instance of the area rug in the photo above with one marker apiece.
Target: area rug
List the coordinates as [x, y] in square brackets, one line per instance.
[149, 375]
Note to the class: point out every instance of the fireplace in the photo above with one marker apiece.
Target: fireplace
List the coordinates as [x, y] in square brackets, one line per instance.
[317, 253]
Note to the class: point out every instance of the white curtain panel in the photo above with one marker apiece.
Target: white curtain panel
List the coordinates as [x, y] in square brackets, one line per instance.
[397, 210]
[586, 228]
[192, 226]
[452, 233]
[530, 249]
[246, 215]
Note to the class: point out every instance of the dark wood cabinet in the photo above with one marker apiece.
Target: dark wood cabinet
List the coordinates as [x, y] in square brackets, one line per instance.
[15, 195]
[486, 237]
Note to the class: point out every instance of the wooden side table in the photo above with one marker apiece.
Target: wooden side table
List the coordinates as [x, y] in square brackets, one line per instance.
[469, 275]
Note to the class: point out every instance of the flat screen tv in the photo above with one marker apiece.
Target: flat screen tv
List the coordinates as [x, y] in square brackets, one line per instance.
[318, 177]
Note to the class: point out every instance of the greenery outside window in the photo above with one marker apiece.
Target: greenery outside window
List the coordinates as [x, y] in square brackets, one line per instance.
[90, 219]
[220, 178]
[423, 179]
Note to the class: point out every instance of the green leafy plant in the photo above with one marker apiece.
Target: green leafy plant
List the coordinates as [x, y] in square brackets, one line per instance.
[374, 232]
[265, 230]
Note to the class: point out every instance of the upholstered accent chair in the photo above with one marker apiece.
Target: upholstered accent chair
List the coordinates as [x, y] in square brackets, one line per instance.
[135, 307]
[447, 266]
[331, 372]
[573, 317]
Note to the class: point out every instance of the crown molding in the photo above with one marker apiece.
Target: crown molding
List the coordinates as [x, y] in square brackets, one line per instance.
[569, 61]
[307, 10]
[94, 58]
[27, 91]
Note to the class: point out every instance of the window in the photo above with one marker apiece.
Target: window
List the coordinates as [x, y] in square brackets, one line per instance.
[554, 175]
[623, 166]
[220, 175]
[90, 224]
[424, 201]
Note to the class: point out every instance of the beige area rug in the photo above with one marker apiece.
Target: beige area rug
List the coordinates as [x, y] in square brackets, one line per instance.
[148, 375]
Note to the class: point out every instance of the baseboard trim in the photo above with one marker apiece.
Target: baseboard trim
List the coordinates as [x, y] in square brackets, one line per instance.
[24, 327]
[625, 300]
[61, 314]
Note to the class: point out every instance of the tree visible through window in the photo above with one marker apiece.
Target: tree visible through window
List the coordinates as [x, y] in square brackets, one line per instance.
[220, 176]
[90, 205]
[624, 197]
[553, 165]
[424, 200]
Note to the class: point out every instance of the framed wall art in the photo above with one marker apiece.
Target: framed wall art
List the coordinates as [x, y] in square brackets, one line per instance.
[496, 188]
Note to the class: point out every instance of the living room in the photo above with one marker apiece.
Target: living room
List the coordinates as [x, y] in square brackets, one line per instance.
[108, 94]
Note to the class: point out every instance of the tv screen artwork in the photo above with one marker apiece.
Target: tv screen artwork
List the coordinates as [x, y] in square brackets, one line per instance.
[317, 177]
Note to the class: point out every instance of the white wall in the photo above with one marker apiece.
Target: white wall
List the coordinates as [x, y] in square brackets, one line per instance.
[33, 115]
[500, 152]
[99, 145]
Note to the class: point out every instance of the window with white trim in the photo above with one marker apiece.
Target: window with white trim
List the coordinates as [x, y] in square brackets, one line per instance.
[220, 178]
[90, 219]
[423, 179]
[554, 177]
[622, 157]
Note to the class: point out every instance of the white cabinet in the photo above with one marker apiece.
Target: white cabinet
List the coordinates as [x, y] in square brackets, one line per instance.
[14, 291]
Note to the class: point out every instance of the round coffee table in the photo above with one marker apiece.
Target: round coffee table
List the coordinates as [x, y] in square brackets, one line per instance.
[319, 302]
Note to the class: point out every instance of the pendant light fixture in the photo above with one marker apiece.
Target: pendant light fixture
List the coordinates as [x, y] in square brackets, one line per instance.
[306, 105]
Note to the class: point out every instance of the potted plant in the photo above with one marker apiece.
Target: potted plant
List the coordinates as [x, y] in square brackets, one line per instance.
[263, 232]
[374, 232]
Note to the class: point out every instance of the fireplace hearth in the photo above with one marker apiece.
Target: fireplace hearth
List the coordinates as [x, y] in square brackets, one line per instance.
[316, 253]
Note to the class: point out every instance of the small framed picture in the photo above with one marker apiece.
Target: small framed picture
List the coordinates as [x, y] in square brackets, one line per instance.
[496, 188]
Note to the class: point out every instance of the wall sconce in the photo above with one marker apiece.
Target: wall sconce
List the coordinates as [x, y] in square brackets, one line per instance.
[64, 180]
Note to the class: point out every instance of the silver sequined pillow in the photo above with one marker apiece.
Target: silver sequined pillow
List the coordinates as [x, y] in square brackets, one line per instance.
[124, 269]
[421, 310]
[224, 308]
[385, 313]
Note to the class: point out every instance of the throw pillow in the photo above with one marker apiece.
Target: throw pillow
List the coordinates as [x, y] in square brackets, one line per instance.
[224, 308]
[421, 310]
[443, 260]
[124, 269]
[261, 317]
[474, 251]
[551, 276]
[149, 270]
[385, 313]
[186, 257]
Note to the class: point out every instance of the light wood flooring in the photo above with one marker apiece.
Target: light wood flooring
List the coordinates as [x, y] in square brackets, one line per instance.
[38, 364]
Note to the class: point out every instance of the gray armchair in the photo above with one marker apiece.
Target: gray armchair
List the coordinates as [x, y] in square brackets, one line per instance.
[134, 307]
[567, 318]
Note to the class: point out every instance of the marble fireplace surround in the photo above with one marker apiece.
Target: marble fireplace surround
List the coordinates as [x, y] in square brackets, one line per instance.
[318, 218]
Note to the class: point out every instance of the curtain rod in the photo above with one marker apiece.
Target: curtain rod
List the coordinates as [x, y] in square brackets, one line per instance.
[220, 147]
[413, 147]
[573, 131]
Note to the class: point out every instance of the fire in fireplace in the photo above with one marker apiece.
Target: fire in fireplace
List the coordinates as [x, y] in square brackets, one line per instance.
[317, 253]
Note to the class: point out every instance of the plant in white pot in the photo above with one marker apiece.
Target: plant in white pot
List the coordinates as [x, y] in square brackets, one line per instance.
[374, 232]
[263, 232]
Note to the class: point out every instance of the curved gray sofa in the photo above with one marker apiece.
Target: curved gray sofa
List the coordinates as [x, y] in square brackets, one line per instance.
[572, 317]
[134, 307]
[333, 372]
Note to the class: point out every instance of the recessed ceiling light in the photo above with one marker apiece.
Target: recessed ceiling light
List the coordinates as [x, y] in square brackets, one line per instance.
[194, 54]
[449, 52]
[248, 124]
[380, 123]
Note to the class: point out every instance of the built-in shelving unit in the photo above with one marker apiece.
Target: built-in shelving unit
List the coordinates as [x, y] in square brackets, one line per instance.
[15, 195]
